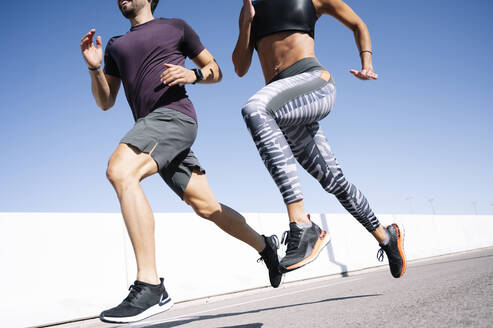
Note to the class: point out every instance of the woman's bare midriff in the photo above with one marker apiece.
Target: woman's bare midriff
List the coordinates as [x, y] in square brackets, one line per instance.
[281, 50]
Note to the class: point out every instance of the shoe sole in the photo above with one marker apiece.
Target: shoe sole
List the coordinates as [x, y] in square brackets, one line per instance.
[400, 246]
[275, 247]
[280, 282]
[322, 241]
[153, 310]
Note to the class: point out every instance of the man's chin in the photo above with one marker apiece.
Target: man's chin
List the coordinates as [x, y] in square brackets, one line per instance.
[128, 13]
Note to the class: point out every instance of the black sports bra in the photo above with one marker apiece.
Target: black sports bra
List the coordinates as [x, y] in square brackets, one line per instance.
[272, 16]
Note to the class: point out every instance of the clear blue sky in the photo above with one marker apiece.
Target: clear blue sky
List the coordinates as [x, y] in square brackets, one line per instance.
[423, 131]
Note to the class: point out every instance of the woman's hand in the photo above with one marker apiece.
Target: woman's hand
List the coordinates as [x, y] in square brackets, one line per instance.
[364, 74]
[248, 11]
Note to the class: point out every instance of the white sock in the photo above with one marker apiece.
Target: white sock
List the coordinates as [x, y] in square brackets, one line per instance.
[387, 238]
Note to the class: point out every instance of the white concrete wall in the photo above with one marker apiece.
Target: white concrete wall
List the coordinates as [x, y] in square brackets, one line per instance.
[57, 267]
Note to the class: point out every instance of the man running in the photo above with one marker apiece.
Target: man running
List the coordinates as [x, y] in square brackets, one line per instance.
[283, 117]
[149, 61]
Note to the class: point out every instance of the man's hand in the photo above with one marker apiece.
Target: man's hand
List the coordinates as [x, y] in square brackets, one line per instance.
[93, 55]
[248, 11]
[176, 74]
[364, 74]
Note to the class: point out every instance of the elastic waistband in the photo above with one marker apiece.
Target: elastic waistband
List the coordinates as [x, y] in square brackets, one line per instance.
[304, 65]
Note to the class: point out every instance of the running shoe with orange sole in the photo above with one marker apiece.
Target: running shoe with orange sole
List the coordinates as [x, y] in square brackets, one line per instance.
[304, 244]
[394, 250]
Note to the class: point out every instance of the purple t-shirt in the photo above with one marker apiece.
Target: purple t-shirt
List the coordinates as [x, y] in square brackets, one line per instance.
[137, 58]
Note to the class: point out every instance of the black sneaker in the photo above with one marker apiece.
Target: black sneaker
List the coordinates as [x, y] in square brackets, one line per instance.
[394, 250]
[304, 245]
[271, 260]
[144, 300]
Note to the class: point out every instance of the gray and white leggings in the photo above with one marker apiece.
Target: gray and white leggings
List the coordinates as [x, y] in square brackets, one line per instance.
[283, 120]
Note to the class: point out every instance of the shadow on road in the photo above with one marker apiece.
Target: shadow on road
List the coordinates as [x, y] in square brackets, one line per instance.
[251, 325]
[330, 249]
[188, 320]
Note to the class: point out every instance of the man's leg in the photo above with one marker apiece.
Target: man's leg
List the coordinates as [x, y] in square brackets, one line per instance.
[126, 168]
[199, 196]
[148, 296]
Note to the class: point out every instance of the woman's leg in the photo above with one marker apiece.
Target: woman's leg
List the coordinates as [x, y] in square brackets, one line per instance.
[272, 107]
[274, 149]
[311, 149]
[276, 105]
[295, 105]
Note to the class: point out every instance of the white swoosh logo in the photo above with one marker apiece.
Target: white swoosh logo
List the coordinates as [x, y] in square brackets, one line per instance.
[161, 303]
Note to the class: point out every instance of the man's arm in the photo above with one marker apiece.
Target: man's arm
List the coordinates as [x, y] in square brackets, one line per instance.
[343, 13]
[242, 55]
[176, 74]
[209, 67]
[104, 87]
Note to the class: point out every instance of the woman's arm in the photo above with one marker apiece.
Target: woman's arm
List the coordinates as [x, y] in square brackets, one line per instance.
[242, 55]
[342, 12]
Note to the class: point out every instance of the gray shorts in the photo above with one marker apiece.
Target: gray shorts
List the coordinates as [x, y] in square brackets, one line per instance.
[171, 134]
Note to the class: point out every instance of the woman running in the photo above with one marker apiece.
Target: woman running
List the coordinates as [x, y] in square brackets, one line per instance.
[283, 117]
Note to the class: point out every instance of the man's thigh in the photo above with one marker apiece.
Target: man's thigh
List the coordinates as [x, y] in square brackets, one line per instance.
[179, 173]
[198, 193]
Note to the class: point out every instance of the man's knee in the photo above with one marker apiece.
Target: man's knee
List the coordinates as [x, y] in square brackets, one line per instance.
[117, 173]
[200, 197]
[113, 174]
[206, 210]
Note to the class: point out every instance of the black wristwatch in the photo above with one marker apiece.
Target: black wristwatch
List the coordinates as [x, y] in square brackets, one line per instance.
[198, 75]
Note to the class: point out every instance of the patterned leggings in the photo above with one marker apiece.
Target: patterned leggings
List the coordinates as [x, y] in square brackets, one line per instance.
[282, 119]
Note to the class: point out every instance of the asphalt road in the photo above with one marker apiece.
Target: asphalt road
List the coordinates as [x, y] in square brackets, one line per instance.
[448, 291]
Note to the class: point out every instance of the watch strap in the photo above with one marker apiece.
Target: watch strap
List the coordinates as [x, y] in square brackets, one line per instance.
[198, 75]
